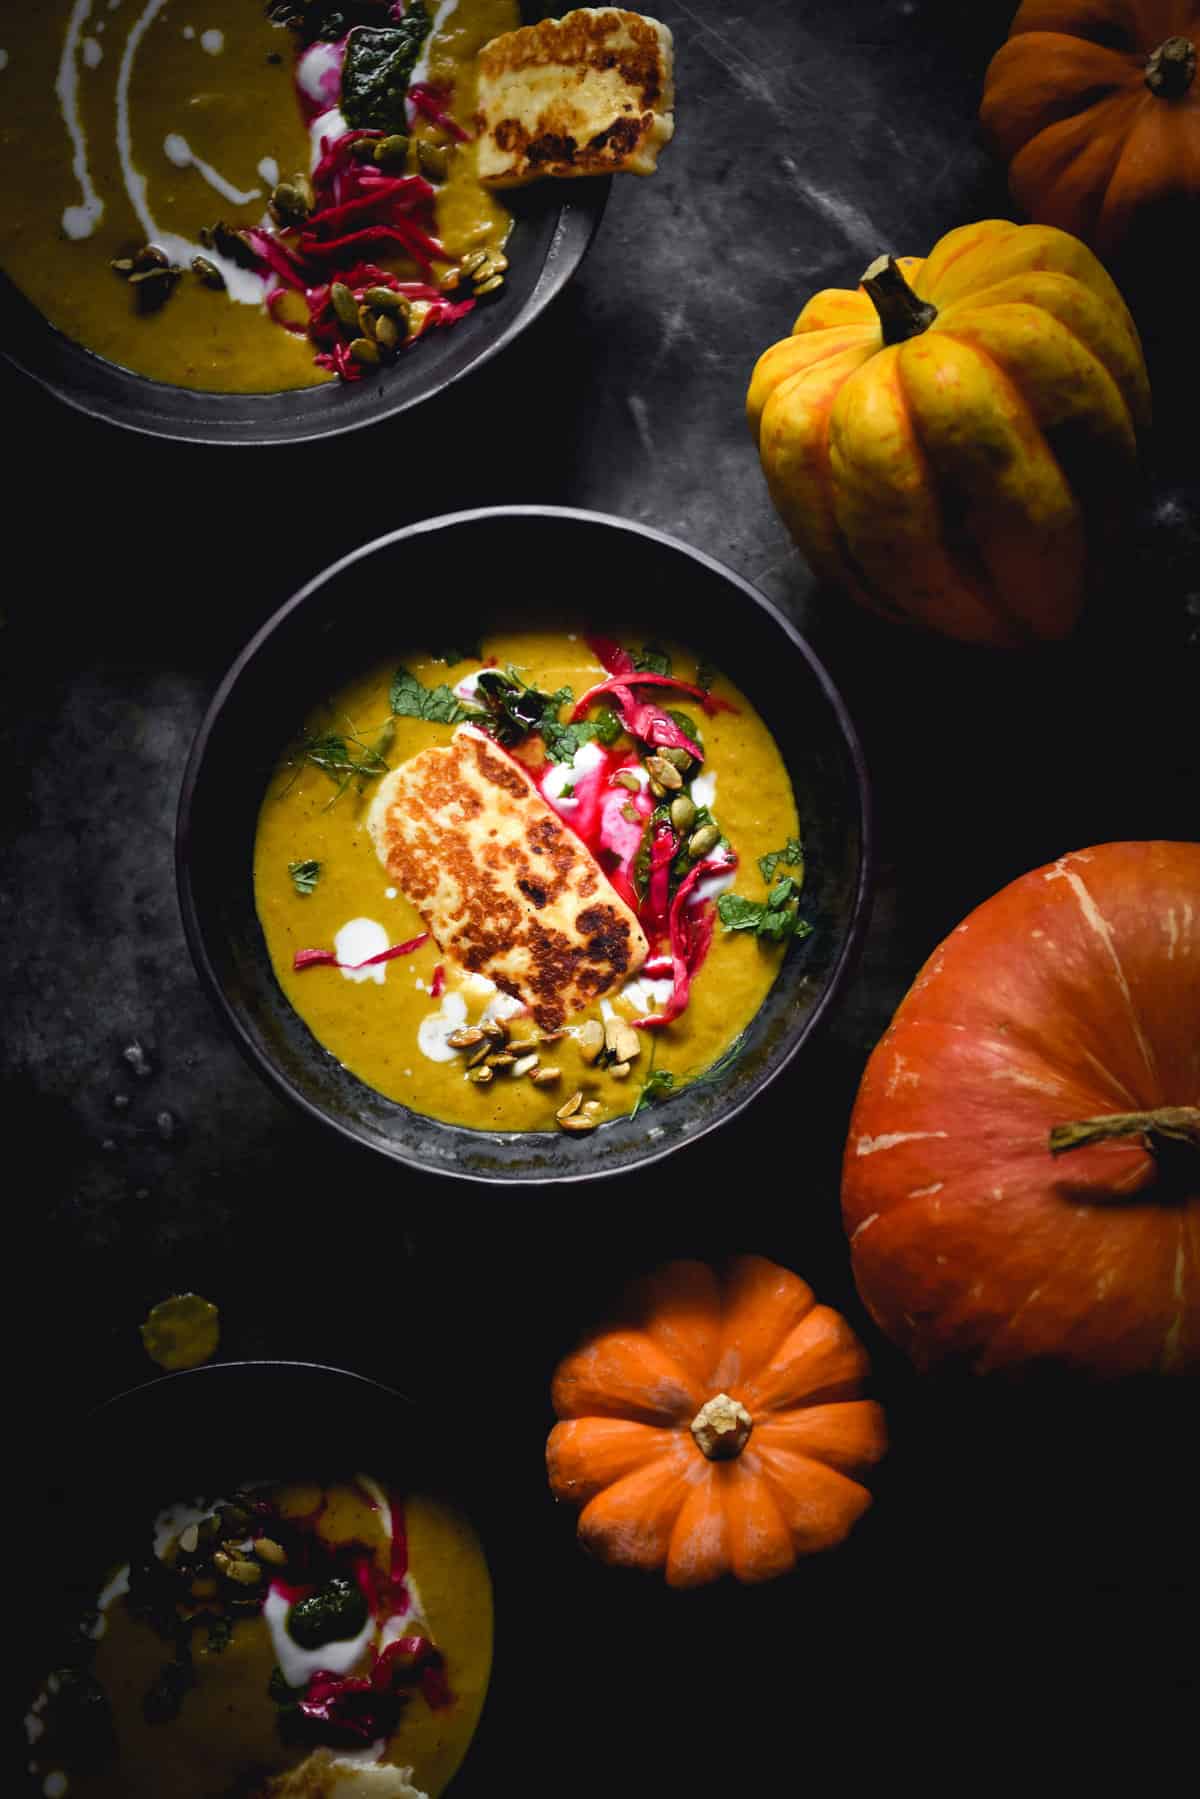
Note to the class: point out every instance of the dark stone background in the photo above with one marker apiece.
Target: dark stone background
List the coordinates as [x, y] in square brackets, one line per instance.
[1026, 1580]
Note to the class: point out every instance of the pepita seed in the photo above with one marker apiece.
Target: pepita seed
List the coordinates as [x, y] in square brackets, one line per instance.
[496, 1029]
[591, 1040]
[366, 322]
[569, 1110]
[619, 1071]
[363, 149]
[683, 812]
[189, 1540]
[502, 1059]
[578, 1123]
[151, 256]
[551, 1036]
[625, 777]
[489, 286]
[268, 1550]
[154, 276]
[524, 1065]
[480, 1055]
[592, 1108]
[665, 773]
[208, 272]
[628, 1045]
[246, 1574]
[545, 1077]
[658, 790]
[679, 758]
[630, 814]
[344, 305]
[702, 841]
[123, 265]
[289, 204]
[466, 1038]
[221, 1562]
[387, 332]
[521, 1046]
[473, 261]
[433, 160]
[481, 1076]
[391, 152]
[449, 281]
[386, 299]
[364, 351]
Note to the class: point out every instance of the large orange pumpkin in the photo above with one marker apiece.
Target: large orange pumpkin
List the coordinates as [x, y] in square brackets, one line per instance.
[1022, 1177]
[717, 1427]
[1096, 104]
[949, 441]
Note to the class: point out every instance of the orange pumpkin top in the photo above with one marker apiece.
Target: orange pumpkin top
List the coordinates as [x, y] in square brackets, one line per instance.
[717, 1428]
[1069, 999]
[1097, 105]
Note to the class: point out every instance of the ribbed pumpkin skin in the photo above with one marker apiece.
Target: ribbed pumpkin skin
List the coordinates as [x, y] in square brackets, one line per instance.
[627, 1396]
[954, 480]
[1072, 994]
[1090, 147]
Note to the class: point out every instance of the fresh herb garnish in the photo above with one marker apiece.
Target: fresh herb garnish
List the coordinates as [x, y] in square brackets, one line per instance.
[657, 1083]
[328, 19]
[791, 856]
[687, 725]
[652, 659]
[518, 709]
[344, 757]
[706, 674]
[305, 875]
[606, 726]
[337, 1611]
[562, 741]
[438, 705]
[378, 65]
[473, 652]
[777, 918]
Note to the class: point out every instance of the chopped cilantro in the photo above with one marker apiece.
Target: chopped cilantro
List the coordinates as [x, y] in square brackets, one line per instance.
[652, 659]
[562, 741]
[606, 725]
[776, 919]
[658, 1082]
[687, 725]
[305, 875]
[408, 699]
[790, 856]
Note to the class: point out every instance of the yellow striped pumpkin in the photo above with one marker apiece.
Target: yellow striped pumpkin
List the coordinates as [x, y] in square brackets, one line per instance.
[950, 441]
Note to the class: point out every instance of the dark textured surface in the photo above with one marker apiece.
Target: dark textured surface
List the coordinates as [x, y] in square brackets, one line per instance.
[1024, 1573]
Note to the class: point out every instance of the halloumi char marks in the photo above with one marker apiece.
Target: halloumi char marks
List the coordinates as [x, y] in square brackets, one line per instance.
[504, 886]
[592, 93]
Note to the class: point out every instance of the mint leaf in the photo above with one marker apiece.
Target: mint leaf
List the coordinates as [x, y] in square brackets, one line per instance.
[776, 920]
[438, 705]
[738, 914]
[606, 725]
[562, 741]
[653, 659]
[305, 875]
[791, 856]
[378, 65]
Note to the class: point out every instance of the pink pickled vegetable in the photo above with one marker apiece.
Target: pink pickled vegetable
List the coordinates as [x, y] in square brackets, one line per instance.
[327, 958]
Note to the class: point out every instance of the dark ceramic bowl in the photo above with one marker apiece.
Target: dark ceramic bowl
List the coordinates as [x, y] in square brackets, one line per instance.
[302, 653]
[204, 1432]
[553, 225]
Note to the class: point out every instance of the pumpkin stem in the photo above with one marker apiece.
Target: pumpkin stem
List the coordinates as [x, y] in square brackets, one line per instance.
[1171, 69]
[722, 1428]
[1166, 1125]
[901, 313]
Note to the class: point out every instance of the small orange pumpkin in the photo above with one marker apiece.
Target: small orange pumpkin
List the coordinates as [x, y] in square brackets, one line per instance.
[717, 1428]
[1096, 104]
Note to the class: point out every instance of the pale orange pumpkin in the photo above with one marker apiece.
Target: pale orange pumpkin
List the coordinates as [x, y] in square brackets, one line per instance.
[718, 1428]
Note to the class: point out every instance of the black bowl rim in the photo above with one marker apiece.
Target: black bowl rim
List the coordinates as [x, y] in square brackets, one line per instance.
[194, 932]
[255, 1365]
[48, 357]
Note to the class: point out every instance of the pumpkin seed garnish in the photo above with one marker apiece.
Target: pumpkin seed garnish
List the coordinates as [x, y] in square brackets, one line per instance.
[481, 1076]
[702, 841]
[208, 272]
[545, 1077]
[480, 1055]
[522, 1046]
[364, 351]
[524, 1065]
[366, 322]
[268, 1550]
[433, 160]
[683, 812]
[472, 261]
[489, 286]
[122, 265]
[578, 1123]
[290, 205]
[344, 305]
[619, 1071]
[569, 1110]
[551, 1036]
[502, 1058]
[591, 1040]
[621, 1040]
[466, 1038]
[625, 777]
[496, 1029]
[630, 814]
[387, 332]
[665, 773]
[386, 299]
[389, 152]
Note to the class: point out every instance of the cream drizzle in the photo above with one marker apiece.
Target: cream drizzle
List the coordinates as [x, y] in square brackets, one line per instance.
[77, 221]
[421, 66]
[180, 152]
[240, 284]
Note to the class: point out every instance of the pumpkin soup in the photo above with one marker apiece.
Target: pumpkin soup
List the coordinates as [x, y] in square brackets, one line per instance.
[517, 886]
[247, 197]
[295, 1639]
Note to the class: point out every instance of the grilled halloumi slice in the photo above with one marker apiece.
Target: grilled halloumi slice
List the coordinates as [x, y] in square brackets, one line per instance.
[506, 889]
[591, 93]
[323, 1775]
